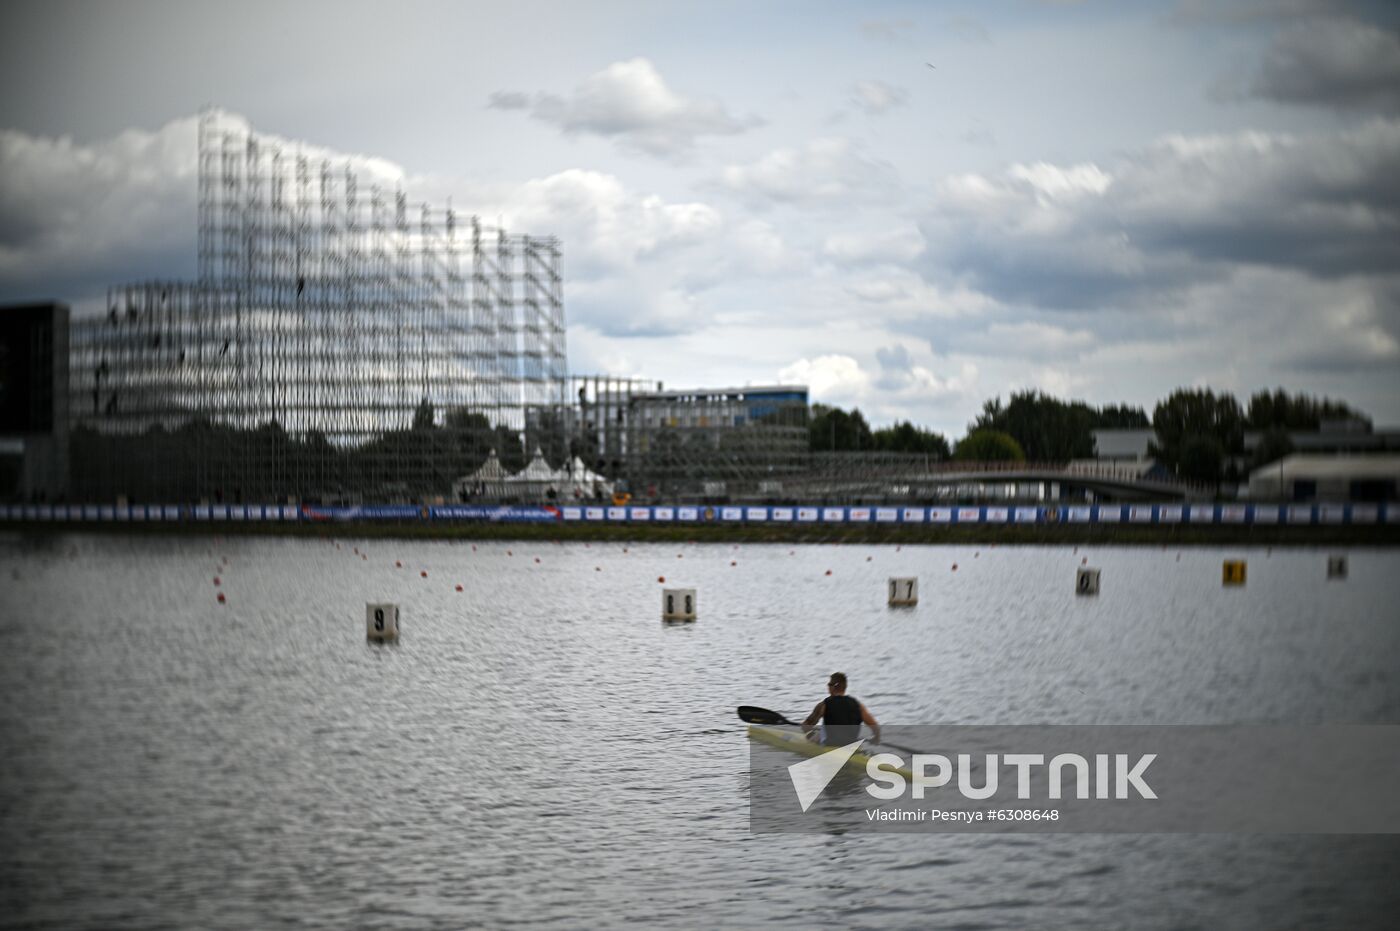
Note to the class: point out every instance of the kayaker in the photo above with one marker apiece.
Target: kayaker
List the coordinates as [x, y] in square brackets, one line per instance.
[840, 714]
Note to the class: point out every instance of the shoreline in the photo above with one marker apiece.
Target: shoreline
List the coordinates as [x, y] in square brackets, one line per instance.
[1377, 535]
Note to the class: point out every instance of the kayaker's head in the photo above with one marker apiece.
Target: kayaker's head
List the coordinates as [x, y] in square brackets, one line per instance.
[836, 685]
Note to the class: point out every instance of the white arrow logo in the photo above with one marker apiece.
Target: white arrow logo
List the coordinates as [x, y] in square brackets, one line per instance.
[811, 777]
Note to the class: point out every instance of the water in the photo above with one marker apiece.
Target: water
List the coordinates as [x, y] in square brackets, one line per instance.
[540, 750]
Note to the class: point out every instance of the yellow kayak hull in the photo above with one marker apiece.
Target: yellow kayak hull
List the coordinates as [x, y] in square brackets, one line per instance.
[794, 741]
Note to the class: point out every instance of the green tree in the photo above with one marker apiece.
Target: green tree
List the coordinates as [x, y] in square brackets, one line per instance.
[1051, 430]
[1278, 409]
[1196, 412]
[1273, 446]
[423, 415]
[835, 430]
[904, 437]
[1202, 459]
[989, 446]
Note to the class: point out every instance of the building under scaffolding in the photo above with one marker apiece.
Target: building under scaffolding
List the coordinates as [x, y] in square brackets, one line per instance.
[339, 344]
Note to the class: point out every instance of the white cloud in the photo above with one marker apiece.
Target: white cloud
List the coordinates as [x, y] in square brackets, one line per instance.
[887, 30]
[76, 217]
[628, 101]
[1052, 183]
[830, 379]
[1180, 211]
[1332, 63]
[825, 172]
[876, 97]
[897, 244]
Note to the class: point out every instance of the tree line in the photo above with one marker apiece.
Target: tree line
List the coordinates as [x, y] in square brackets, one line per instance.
[1199, 433]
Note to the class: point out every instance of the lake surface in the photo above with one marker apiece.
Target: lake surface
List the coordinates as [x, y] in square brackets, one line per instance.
[539, 749]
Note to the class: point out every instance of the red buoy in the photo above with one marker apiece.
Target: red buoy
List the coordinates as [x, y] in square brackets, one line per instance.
[221, 597]
[424, 573]
[459, 588]
[828, 572]
[216, 580]
[397, 564]
[955, 567]
[660, 578]
[733, 563]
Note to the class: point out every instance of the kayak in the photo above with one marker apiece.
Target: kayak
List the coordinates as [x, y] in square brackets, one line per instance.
[795, 741]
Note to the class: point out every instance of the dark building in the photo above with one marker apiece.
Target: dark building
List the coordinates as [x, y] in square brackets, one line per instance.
[34, 401]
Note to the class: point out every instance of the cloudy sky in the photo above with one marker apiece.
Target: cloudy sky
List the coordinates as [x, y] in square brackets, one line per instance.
[910, 207]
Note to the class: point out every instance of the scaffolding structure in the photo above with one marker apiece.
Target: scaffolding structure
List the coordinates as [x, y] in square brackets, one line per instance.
[338, 344]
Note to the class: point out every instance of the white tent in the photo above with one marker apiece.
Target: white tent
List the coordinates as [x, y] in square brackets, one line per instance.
[489, 481]
[536, 480]
[582, 482]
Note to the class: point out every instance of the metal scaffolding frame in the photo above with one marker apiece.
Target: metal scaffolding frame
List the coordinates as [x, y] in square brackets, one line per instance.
[337, 345]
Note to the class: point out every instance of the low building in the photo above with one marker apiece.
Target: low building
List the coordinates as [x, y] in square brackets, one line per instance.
[1333, 436]
[1123, 445]
[1306, 477]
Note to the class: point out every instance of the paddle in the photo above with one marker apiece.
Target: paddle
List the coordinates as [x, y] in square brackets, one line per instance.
[752, 715]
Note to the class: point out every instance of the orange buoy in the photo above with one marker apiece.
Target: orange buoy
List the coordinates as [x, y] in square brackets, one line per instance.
[424, 573]
[660, 578]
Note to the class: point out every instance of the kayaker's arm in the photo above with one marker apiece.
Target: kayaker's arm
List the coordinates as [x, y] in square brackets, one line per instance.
[870, 721]
[811, 723]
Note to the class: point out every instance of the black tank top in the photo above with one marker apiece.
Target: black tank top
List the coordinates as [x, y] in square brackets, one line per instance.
[841, 715]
